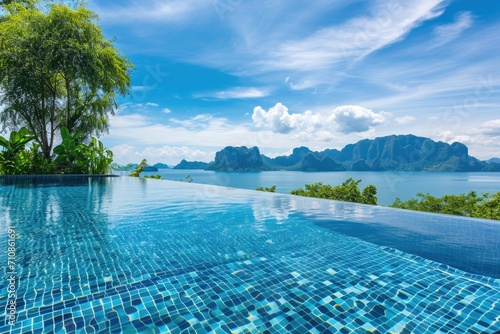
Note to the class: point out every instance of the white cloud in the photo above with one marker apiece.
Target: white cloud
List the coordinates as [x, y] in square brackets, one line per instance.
[387, 23]
[202, 121]
[171, 155]
[166, 110]
[489, 128]
[151, 104]
[135, 120]
[346, 119]
[277, 119]
[149, 11]
[140, 88]
[405, 120]
[448, 32]
[449, 137]
[356, 119]
[235, 93]
[482, 140]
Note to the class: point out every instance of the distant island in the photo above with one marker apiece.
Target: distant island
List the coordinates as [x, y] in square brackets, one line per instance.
[390, 153]
[192, 165]
[161, 166]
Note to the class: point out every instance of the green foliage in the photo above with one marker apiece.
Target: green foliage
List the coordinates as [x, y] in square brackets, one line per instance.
[57, 69]
[138, 170]
[25, 3]
[348, 192]
[270, 189]
[157, 177]
[75, 157]
[32, 161]
[471, 205]
[489, 208]
[99, 157]
[11, 157]
[71, 154]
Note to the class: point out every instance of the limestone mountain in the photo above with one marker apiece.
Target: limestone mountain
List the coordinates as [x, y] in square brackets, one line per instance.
[191, 165]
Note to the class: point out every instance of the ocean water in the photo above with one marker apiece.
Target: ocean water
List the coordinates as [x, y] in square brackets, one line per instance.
[390, 185]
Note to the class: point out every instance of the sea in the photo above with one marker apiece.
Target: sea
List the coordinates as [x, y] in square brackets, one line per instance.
[390, 185]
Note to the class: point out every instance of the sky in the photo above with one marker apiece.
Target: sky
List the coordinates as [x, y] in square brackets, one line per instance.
[280, 74]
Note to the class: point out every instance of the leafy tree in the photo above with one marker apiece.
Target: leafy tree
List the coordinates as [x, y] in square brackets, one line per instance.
[489, 208]
[471, 205]
[57, 69]
[348, 192]
[26, 3]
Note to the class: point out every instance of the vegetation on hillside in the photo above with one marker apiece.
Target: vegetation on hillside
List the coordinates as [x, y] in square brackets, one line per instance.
[270, 189]
[470, 205]
[348, 191]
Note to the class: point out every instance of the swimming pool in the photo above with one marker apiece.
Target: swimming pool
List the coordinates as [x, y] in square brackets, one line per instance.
[128, 255]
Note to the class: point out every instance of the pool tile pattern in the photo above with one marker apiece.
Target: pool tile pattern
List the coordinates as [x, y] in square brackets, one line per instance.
[94, 263]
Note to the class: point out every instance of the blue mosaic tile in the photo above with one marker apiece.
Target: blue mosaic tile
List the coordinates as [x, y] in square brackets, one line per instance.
[124, 255]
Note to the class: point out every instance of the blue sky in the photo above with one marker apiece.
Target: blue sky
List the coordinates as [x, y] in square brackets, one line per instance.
[281, 74]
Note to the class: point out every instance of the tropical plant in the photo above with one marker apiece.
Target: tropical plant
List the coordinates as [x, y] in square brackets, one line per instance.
[10, 162]
[138, 170]
[32, 161]
[57, 69]
[348, 191]
[72, 156]
[75, 157]
[99, 157]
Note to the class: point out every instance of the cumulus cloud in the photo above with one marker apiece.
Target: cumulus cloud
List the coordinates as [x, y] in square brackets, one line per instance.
[483, 140]
[489, 128]
[277, 119]
[166, 110]
[172, 155]
[356, 119]
[405, 120]
[449, 137]
[345, 119]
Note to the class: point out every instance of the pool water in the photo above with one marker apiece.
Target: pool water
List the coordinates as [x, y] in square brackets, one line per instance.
[129, 255]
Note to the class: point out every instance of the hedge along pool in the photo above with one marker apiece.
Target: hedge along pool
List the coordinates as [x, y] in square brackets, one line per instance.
[128, 255]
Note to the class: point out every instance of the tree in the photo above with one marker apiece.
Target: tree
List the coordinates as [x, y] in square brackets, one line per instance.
[26, 3]
[58, 70]
[348, 192]
[470, 205]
